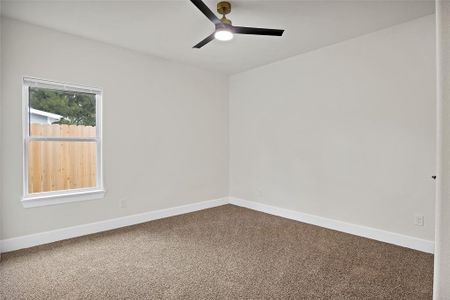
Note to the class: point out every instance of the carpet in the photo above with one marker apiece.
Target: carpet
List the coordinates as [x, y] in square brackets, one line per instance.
[227, 252]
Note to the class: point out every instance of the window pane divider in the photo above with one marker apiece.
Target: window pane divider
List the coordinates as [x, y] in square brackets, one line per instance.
[63, 139]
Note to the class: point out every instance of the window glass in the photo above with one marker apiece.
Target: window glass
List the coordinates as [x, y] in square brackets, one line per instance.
[56, 165]
[61, 113]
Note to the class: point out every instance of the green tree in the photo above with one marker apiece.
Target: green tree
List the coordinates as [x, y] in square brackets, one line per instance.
[75, 108]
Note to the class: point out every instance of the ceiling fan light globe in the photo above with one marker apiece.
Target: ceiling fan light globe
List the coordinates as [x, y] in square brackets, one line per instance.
[223, 35]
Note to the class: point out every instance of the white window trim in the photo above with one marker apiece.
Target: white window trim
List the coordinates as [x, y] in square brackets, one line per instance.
[63, 196]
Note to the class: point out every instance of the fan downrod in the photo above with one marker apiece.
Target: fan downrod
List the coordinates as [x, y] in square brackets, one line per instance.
[224, 8]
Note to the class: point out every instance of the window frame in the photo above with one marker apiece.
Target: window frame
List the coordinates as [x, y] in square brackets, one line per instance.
[70, 195]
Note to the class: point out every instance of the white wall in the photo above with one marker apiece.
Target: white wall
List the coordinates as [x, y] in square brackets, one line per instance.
[1, 135]
[345, 132]
[172, 149]
[441, 281]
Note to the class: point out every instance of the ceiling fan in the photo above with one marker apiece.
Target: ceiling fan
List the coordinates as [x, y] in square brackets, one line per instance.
[224, 29]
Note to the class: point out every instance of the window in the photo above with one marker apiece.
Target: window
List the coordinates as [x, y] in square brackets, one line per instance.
[62, 143]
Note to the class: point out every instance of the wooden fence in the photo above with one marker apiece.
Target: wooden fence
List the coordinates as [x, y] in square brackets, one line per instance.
[56, 165]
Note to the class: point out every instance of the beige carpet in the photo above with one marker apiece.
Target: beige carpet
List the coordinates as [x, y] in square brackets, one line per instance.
[221, 253]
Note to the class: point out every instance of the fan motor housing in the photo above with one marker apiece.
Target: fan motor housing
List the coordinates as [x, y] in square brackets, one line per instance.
[224, 8]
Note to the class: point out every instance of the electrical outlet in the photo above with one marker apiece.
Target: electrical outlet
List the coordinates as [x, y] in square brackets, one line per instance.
[419, 220]
[123, 203]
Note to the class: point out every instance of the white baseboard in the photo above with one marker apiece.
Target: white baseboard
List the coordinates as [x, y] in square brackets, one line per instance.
[41, 238]
[27, 241]
[368, 232]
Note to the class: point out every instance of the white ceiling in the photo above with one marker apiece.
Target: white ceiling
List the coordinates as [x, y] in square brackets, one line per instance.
[169, 29]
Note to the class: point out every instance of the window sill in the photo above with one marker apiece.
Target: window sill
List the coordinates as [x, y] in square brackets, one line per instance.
[53, 199]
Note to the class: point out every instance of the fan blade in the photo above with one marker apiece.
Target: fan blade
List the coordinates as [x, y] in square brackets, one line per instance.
[257, 31]
[206, 11]
[205, 41]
